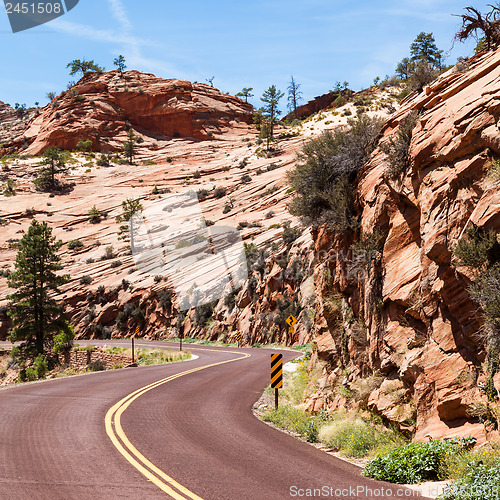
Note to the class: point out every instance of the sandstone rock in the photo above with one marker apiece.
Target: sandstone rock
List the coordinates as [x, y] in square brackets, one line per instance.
[107, 105]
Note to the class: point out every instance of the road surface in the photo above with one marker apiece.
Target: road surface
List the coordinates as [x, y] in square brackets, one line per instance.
[182, 430]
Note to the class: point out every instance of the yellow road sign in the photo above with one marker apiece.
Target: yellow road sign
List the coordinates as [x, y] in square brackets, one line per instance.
[291, 320]
[238, 337]
[137, 331]
[276, 371]
[291, 329]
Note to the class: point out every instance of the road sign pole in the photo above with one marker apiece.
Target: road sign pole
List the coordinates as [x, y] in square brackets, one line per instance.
[276, 375]
[133, 357]
[180, 345]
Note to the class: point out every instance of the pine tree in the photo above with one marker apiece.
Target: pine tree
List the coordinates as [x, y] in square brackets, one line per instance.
[128, 146]
[424, 49]
[271, 98]
[36, 316]
[53, 163]
[119, 62]
[84, 67]
[246, 92]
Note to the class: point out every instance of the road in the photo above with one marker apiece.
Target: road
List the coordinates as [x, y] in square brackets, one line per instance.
[182, 430]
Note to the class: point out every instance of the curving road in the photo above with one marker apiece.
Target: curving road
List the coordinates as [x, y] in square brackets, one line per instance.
[183, 430]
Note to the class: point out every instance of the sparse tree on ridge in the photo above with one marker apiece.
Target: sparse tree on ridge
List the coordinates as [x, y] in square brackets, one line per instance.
[246, 93]
[84, 67]
[424, 49]
[119, 62]
[294, 95]
[50, 95]
[271, 98]
[405, 69]
[473, 21]
[37, 319]
[211, 81]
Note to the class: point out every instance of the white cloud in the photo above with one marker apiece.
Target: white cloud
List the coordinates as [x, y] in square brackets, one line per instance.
[119, 13]
[131, 46]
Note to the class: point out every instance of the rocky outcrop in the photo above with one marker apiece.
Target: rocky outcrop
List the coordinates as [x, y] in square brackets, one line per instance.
[101, 108]
[420, 328]
[313, 106]
[13, 123]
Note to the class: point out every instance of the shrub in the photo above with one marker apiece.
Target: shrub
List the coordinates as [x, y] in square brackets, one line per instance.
[290, 234]
[220, 192]
[74, 244]
[103, 160]
[423, 75]
[246, 179]
[353, 437]
[202, 194]
[96, 366]
[38, 370]
[86, 280]
[397, 148]
[328, 165]
[116, 263]
[412, 463]
[94, 215]
[197, 174]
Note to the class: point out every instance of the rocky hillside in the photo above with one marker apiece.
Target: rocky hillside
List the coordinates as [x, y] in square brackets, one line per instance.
[393, 326]
[101, 108]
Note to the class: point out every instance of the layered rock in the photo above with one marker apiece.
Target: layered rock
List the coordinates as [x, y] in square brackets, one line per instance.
[101, 108]
[420, 324]
[12, 122]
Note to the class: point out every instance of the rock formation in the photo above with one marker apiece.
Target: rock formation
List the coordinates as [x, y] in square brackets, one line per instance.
[103, 107]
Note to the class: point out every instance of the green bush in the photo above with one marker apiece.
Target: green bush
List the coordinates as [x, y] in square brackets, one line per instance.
[328, 165]
[75, 244]
[288, 417]
[38, 370]
[412, 463]
[479, 483]
[397, 148]
[353, 437]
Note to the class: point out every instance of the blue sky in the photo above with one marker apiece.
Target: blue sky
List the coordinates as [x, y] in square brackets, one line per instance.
[242, 44]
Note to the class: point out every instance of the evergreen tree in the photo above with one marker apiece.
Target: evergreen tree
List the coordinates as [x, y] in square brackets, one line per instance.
[246, 93]
[294, 95]
[128, 146]
[53, 162]
[130, 207]
[119, 62]
[424, 49]
[271, 98]
[84, 67]
[36, 316]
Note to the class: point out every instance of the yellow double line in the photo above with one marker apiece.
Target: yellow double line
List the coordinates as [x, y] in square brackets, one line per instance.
[119, 439]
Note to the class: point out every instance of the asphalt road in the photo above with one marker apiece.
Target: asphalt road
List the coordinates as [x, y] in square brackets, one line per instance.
[157, 432]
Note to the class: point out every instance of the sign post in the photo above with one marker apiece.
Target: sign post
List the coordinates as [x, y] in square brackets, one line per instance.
[133, 354]
[276, 375]
[181, 336]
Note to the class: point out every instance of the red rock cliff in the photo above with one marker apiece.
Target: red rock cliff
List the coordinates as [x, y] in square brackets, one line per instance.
[100, 107]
